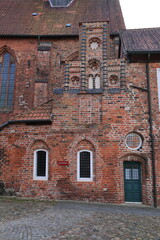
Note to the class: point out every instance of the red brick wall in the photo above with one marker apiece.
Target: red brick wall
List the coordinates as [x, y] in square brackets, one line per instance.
[35, 68]
[92, 121]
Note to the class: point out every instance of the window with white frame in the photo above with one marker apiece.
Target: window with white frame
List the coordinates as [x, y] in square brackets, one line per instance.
[60, 3]
[158, 85]
[85, 166]
[133, 141]
[40, 171]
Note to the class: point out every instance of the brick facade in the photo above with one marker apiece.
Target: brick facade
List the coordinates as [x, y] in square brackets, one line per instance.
[56, 109]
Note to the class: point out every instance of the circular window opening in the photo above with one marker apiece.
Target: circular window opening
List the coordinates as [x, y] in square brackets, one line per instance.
[133, 141]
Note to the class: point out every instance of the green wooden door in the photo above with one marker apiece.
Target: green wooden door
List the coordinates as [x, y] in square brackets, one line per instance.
[132, 182]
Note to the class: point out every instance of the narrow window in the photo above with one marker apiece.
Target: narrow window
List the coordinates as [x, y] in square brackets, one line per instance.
[97, 82]
[90, 82]
[40, 165]
[7, 77]
[84, 166]
[94, 82]
[158, 84]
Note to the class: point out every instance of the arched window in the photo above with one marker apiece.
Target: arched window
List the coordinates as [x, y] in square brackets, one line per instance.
[40, 171]
[97, 81]
[84, 166]
[94, 82]
[7, 78]
[90, 81]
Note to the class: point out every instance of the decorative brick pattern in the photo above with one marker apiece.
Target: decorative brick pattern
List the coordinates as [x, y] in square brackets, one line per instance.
[90, 109]
[77, 118]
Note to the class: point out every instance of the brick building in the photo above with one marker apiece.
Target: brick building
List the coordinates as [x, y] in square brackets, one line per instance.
[79, 102]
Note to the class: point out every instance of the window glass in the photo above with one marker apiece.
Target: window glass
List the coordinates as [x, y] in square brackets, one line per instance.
[60, 3]
[7, 78]
[133, 141]
[135, 174]
[128, 175]
[84, 166]
[40, 165]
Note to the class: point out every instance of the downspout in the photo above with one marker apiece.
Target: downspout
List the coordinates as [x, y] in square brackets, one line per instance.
[151, 134]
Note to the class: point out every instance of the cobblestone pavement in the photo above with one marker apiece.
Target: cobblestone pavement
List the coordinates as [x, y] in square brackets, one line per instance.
[47, 220]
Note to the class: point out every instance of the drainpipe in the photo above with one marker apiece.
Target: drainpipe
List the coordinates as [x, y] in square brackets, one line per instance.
[151, 134]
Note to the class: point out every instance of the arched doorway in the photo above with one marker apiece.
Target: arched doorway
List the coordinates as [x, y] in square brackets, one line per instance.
[132, 181]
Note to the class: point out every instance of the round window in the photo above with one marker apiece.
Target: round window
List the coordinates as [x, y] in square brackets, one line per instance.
[133, 141]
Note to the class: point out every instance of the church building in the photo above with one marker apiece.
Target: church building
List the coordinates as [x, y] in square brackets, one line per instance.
[79, 103]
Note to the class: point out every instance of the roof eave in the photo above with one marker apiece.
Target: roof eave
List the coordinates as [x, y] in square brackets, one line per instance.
[131, 52]
[29, 121]
[37, 36]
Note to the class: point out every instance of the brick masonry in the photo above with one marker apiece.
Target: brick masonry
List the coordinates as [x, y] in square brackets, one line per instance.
[97, 120]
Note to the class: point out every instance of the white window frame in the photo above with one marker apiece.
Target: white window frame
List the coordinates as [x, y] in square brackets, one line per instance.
[80, 179]
[35, 177]
[60, 5]
[140, 141]
[158, 86]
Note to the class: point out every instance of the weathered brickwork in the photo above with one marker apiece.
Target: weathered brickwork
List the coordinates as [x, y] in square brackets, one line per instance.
[37, 70]
[96, 99]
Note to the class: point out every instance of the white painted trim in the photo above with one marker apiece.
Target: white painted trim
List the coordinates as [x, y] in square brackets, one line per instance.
[140, 143]
[35, 177]
[60, 6]
[80, 179]
[158, 86]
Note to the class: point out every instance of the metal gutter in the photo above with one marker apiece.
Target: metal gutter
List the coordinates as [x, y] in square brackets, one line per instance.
[140, 88]
[25, 121]
[143, 52]
[47, 36]
[37, 36]
[151, 134]
[148, 90]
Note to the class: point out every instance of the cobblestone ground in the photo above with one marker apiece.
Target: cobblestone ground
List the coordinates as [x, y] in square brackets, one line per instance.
[46, 220]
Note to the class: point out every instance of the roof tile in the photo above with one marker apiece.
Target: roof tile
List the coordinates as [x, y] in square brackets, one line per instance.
[41, 112]
[16, 16]
[146, 39]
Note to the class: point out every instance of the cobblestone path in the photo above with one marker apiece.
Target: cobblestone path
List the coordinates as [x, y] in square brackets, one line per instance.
[46, 220]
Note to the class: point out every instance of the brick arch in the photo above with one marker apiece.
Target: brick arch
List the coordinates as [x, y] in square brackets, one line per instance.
[83, 143]
[39, 143]
[82, 138]
[136, 158]
[95, 39]
[73, 57]
[146, 175]
[5, 49]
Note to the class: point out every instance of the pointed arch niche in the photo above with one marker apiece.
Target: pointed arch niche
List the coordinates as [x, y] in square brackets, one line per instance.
[84, 149]
[72, 71]
[7, 77]
[145, 173]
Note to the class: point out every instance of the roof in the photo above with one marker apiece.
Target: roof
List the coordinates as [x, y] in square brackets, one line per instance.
[41, 112]
[141, 40]
[16, 16]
